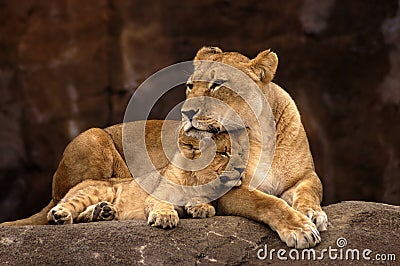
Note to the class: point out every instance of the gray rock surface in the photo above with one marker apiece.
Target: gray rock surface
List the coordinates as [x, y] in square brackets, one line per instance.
[215, 241]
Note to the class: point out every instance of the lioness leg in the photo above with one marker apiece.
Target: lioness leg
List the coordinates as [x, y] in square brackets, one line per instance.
[78, 199]
[160, 213]
[307, 196]
[91, 155]
[294, 228]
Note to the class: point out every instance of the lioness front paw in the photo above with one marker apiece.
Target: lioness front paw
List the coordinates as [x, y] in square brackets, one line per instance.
[317, 216]
[59, 215]
[163, 218]
[201, 211]
[299, 232]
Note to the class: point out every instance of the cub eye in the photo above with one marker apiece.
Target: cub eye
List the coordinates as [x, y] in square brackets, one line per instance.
[189, 86]
[226, 154]
[217, 83]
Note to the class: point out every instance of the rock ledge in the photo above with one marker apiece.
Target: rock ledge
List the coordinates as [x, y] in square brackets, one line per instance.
[217, 241]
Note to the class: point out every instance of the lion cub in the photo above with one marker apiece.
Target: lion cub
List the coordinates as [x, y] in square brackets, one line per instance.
[124, 199]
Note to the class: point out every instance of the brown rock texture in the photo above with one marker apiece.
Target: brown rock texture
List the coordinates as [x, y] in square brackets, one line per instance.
[69, 65]
[214, 241]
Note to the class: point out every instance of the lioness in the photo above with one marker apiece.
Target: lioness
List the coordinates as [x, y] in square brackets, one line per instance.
[289, 198]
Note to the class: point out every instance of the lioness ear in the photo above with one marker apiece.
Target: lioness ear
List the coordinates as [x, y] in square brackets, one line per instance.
[205, 52]
[265, 65]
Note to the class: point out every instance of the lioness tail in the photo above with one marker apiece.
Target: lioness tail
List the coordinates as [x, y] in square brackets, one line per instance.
[36, 219]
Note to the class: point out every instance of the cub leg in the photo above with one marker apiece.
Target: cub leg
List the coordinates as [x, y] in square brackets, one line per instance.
[78, 199]
[294, 228]
[307, 197]
[160, 214]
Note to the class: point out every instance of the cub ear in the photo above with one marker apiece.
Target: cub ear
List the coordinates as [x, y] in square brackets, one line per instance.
[265, 65]
[205, 52]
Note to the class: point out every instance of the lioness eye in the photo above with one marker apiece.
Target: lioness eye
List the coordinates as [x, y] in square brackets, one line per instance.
[189, 86]
[217, 83]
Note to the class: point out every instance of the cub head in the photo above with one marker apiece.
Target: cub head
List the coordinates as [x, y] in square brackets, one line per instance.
[224, 91]
[228, 163]
[226, 168]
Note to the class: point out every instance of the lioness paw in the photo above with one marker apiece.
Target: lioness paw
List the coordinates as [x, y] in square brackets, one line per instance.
[59, 215]
[201, 211]
[318, 217]
[299, 232]
[163, 218]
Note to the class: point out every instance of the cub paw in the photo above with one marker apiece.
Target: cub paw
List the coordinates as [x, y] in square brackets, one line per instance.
[201, 211]
[318, 217]
[59, 215]
[163, 218]
[104, 211]
[299, 232]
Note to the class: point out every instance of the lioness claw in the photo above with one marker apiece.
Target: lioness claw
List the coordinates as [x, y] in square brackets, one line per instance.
[302, 234]
[319, 218]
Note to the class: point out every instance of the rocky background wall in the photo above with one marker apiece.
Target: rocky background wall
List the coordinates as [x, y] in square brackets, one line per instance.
[69, 65]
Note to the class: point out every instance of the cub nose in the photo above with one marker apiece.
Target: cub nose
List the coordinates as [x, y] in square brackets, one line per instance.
[190, 113]
[223, 179]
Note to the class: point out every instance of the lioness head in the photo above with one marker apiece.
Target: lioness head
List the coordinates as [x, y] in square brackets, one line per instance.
[223, 92]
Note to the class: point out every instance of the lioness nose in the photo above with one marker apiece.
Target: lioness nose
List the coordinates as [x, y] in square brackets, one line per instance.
[239, 169]
[190, 113]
